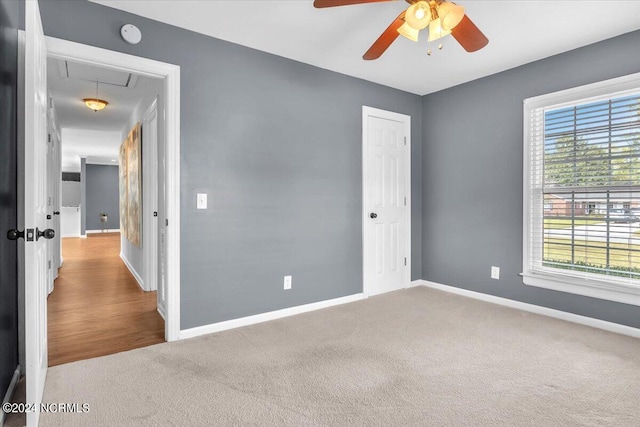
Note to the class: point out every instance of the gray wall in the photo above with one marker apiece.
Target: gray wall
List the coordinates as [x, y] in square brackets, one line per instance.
[276, 144]
[103, 195]
[472, 175]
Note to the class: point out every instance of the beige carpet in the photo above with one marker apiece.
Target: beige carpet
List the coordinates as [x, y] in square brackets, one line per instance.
[414, 357]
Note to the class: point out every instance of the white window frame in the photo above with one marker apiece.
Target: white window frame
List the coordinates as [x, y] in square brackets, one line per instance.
[607, 288]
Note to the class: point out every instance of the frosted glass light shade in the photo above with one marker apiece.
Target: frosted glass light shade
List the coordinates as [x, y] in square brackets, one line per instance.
[450, 15]
[409, 32]
[95, 104]
[436, 31]
[418, 15]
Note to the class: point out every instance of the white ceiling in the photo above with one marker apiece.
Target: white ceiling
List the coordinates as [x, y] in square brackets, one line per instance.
[85, 133]
[336, 38]
[98, 146]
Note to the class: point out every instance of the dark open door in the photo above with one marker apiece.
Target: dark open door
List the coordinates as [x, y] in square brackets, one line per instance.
[8, 192]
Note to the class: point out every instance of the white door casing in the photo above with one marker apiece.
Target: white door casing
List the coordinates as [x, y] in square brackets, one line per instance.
[56, 191]
[53, 195]
[150, 195]
[35, 206]
[58, 205]
[386, 167]
[49, 203]
[170, 222]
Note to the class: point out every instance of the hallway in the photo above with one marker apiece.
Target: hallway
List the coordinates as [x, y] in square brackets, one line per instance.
[97, 307]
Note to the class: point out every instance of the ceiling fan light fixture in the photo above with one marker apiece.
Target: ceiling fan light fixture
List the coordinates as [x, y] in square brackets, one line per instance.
[436, 31]
[418, 15]
[409, 32]
[95, 104]
[450, 15]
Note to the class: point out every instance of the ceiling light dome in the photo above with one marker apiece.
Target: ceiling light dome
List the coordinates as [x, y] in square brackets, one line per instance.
[418, 15]
[450, 15]
[436, 31]
[409, 32]
[95, 104]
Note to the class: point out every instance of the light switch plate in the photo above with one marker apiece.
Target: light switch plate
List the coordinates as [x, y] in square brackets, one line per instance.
[201, 202]
[495, 272]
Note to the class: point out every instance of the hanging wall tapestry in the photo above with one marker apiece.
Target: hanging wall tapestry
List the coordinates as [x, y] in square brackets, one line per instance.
[130, 186]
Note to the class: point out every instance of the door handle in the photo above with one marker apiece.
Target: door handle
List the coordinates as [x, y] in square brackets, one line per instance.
[15, 234]
[47, 234]
[373, 215]
[56, 213]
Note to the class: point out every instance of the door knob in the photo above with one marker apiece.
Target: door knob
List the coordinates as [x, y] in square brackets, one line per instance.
[56, 213]
[47, 234]
[373, 215]
[15, 234]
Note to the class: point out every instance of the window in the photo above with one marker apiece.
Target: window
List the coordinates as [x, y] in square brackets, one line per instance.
[582, 148]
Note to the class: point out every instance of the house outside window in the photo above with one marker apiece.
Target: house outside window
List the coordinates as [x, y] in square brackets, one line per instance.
[582, 151]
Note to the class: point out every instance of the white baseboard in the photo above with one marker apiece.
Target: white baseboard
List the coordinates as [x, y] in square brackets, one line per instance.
[83, 236]
[537, 309]
[133, 271]
[265, 317]
[161, 310]
[109, 230]
[64, 236]
[9, 394]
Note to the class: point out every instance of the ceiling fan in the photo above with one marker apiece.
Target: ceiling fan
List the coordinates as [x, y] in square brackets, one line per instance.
[442, 17]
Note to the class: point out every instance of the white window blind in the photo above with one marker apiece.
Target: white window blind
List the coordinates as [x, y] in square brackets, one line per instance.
[584, 189]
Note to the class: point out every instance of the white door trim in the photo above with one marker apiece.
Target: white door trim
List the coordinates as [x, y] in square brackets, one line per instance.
[150, 198]
[375, 112]
[63, 49]
[36, 253]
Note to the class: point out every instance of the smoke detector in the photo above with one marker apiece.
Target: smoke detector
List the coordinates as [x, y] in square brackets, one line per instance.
[131, 34]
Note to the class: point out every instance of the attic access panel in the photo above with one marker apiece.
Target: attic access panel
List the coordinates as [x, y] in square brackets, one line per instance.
[78, 71]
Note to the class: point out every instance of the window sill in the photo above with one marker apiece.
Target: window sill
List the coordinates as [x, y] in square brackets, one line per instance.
[586, 287]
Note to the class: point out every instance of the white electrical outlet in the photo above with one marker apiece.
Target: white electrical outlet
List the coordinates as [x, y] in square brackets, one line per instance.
[201, 201]
[287, 282]
[495, 272]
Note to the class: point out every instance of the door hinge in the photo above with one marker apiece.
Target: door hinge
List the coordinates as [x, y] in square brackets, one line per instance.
[405, 140]
[49, 264]
[166, 222]
[405, 201]
[48, 137]
[405, 261]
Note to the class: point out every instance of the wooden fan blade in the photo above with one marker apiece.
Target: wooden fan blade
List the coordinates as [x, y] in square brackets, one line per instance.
[469, 36]
[386, 38]
[332, 3]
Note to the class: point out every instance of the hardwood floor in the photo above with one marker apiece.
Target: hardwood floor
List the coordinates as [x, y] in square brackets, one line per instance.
[97, 307]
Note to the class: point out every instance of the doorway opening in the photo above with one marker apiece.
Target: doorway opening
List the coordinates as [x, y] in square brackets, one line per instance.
[103, 183]
[168, 217]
